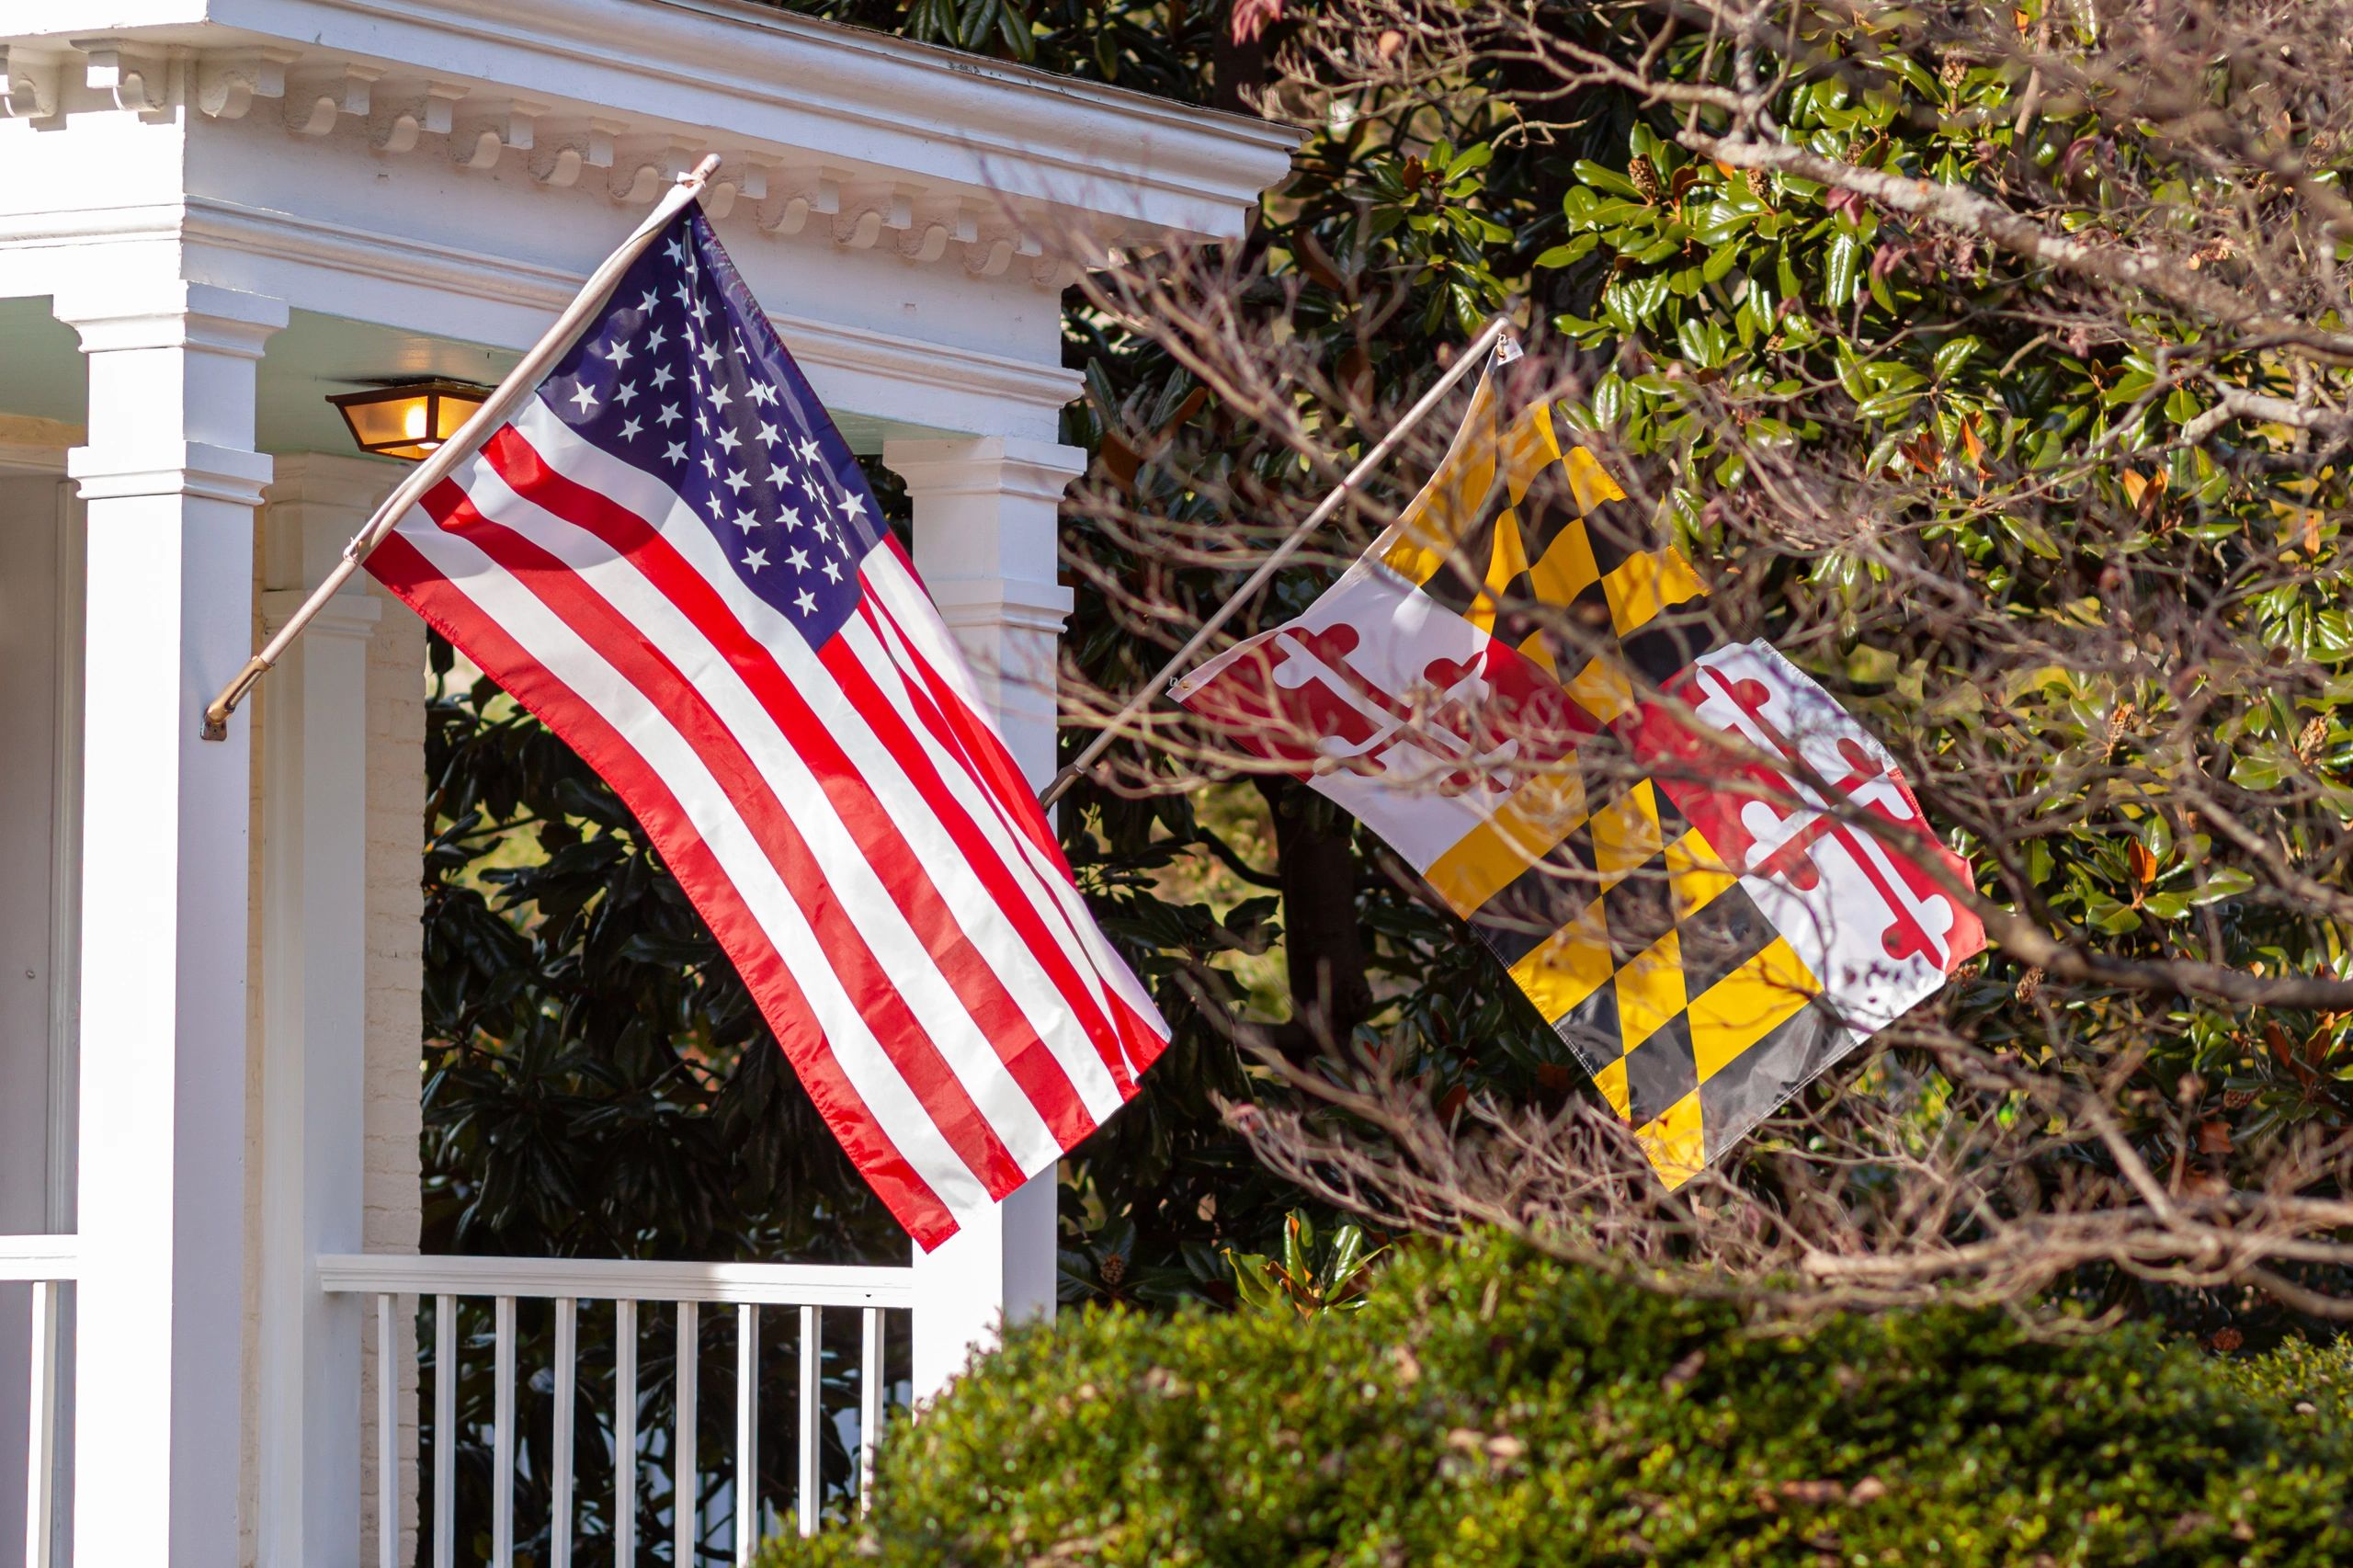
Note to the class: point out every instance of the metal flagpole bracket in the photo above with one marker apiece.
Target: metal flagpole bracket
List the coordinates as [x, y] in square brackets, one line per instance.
[518, 384]
[1493, 338]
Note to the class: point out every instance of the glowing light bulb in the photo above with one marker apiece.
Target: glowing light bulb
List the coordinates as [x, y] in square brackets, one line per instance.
[413, 425]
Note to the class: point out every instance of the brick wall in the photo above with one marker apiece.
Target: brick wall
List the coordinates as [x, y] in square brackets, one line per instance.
[395, 959]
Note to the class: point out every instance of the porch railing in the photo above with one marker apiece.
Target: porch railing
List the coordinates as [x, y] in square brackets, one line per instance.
[49, 1264]
[628, 1285]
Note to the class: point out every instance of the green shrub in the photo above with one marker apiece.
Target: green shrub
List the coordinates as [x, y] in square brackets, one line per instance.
[1489, 1407]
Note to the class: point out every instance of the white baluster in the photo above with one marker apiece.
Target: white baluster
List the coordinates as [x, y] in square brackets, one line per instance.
[683, 1489]
[870, 1403]
[567, 1372]
[388, 1451]
[502, 1434]
[40, 1448]
[625, 1434]
[445, 1431]
[748, 1433]
[809, 1400]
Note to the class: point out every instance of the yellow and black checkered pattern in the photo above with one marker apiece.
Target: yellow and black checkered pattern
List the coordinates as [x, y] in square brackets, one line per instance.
[1615, 916]
[1693, 1014]
[1537, 546]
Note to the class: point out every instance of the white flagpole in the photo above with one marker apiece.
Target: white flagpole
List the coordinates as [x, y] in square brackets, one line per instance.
[519, 383]
[1476, 354]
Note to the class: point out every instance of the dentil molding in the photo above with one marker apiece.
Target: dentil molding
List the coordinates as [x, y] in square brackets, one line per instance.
[477, 126]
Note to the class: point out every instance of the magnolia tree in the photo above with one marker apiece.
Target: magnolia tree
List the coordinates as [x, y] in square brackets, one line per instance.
[1992, 362]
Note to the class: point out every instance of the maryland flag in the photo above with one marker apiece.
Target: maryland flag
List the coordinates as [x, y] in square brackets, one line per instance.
[1701, 872]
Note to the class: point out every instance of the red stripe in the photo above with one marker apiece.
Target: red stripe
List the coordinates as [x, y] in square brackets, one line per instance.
[891, 726]
[613, 635]
[870, 821]
[1133, 1039]
[416, 583]
[983, 752]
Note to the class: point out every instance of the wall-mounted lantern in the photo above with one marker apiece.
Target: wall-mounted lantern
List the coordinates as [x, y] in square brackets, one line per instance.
[408, 419]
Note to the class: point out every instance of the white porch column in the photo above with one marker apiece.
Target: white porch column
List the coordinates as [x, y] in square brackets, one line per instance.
[170, 480]
[986, 544]
[313, 734]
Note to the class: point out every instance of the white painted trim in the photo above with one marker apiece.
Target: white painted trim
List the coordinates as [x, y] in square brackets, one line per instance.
[192, 468]
[783, 85]
[39, 1257]
[313, 893]
[620, 1279]
[65, 868]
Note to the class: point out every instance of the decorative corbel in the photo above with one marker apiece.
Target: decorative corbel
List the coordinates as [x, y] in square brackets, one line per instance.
[940, 226]
[227, 82]
[1082, 249]
[740, 175]
[1016, 237]
[870, 209]
[645, 166]
[28, 84]
[316, 99]
[400, 114]
[566, 147]
[990, 256]
[132, 76]
[800, 194]
[478, 141]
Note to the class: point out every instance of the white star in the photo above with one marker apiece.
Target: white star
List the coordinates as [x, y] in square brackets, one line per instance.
[696, 307]
[676, 454]
[717, 508]
[798, 561]
[769, 434]
[675, 250]
[756, 559]
[630, 428]
[792, 519]
[809, 452]
[662, 377]
[764, 394]
[808, 487]
[668, 416]
[648, 303]
[618, 354]
[806, 602]
[625, 392]
[833, 570]
[823, 531]
[735, 481]
[720, 398]
[746, 521]
[710, 465]
[703, 420]
[685, 291]
[654, 340]
[855, 505]
[710, 356]
[583, 396]
[729, 440]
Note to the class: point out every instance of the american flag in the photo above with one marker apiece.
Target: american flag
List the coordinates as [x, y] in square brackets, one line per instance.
[670, 556]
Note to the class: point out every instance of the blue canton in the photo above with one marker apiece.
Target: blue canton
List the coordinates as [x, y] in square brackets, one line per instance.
[684, 377]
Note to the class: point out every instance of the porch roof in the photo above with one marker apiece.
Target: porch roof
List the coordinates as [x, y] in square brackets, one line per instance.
[434, 177]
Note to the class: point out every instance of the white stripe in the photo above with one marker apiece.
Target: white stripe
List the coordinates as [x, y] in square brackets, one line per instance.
[918, 618]
[1054, 909]
[891, 663]
[564, 655]
[905, 955]
[1050, 894]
